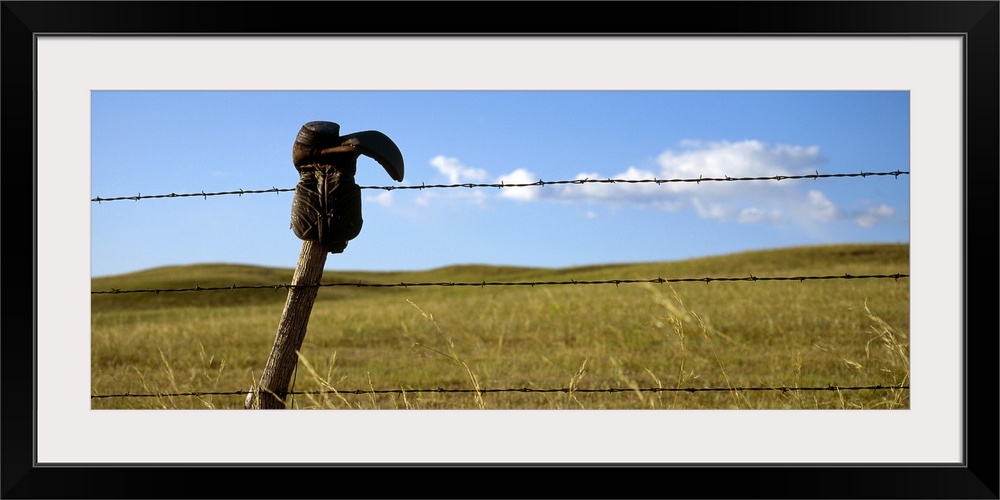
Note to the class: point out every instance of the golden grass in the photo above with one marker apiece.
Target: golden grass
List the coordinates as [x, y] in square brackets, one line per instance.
[577, 338]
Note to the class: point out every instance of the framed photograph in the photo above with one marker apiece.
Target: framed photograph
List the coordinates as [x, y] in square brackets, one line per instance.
[930, 69]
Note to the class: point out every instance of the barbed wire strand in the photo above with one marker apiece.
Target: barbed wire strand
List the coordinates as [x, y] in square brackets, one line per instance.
[483, 284]
[520, 389]
[503, 185]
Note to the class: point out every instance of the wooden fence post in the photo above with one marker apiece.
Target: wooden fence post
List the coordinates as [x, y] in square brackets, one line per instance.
[326, 214]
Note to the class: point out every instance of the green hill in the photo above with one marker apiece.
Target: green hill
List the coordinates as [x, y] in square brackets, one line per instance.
[797, 261]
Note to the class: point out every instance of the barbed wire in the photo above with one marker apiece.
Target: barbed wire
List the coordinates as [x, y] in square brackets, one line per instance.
[203, 194]
[566, 390]
[502, 185]
[483, 284]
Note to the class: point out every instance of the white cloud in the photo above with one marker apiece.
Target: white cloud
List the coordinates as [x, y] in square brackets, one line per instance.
[820, 207]
[751, 202]
[708, 210]
[521, 176]
[762, 201]
[874, 215]
[746, 202]
[384, 198]
[456, 171]
[756, 215]
[423, 199]
[617, 192]
[734, 159]
[731, 212]
[882, 211]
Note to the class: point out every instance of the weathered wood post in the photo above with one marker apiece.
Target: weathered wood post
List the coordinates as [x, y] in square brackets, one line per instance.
[326, 214]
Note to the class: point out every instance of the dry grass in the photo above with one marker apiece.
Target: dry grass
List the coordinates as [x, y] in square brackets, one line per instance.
[578, 338]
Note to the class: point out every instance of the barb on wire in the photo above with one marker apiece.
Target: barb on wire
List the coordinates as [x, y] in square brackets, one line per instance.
[503, 185]
[483, 284]
[521, 390]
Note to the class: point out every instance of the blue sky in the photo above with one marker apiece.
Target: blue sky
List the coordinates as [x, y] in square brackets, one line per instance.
[187, 142]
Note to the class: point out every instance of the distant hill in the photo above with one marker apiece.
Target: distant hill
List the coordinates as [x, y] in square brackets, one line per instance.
[813, 260]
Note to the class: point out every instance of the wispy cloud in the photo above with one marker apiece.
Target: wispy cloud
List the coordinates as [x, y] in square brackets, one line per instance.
[749, 202]
[456, 172]
[755, 202]
[383, 198]
[874, 215]
[820, 207]
[737, 159]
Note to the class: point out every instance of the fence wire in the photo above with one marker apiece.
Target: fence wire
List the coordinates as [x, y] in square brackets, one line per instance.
[484, 284]
[502, 185]
[566, 390]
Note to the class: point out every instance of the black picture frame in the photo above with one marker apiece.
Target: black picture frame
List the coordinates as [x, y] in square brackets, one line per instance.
[976, 21]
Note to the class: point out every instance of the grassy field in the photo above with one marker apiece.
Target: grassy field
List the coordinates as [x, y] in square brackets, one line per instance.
[645, 339]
